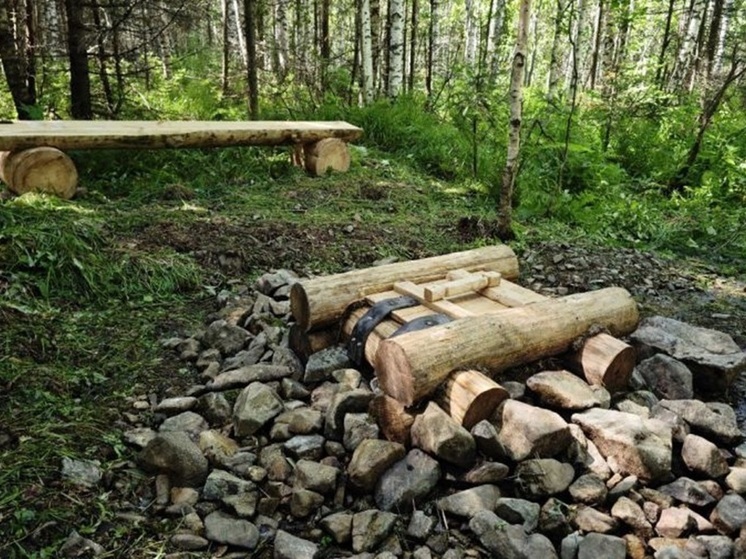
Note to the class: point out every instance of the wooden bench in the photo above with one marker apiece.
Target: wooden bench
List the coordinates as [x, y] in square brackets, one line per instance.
[33, 158]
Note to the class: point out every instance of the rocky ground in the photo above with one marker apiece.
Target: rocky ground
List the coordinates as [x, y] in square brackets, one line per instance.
[268, 456]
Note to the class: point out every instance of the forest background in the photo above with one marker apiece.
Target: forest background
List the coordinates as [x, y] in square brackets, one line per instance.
[633, 135]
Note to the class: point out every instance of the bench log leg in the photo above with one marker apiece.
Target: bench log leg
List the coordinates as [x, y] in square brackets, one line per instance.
[40, 169]
[329, 153]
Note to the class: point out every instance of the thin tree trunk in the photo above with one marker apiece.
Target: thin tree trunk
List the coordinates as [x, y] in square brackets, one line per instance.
[251, 69]
[470, 50]
[366, 48]
[556, 58]
[31, 46]
[505, 204]
[597, 42]
[661, 74]
[14, 66]
[225, 68]
[726, 18]
[433, 50]
[324, 45]
[280, 50]
[103, 72]
[413, 21]
[375, 25]
[687, 50]
[240, 33]
[497, 17]
[396, 47]
[80, 79]
[714, 36]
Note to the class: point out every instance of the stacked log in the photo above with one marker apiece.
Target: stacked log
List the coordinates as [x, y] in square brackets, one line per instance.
[40, 169]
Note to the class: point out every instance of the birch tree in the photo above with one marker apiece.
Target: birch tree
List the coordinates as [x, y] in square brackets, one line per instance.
[366, 51]
[505, 204]
[396, 47]
[13, 56]
[472, 32]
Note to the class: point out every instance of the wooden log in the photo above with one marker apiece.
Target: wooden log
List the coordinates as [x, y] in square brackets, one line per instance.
[411, 366]
[144, 134]
[323, 300]
[40, 169]
[470, 396]
[604, 361]
[305, 344]
[326, 154]
[393, 419]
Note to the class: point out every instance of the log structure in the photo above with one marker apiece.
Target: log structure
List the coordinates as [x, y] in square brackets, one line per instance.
[34, 148]
[411, 366]
[470, 396]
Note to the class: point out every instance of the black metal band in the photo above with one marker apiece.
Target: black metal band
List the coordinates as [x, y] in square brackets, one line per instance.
[371, 319]
[421, 323]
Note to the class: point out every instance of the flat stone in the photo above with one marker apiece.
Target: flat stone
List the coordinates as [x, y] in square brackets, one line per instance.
[321, 364]
[527, 431]
[189, 542]
[688, 491]
[370, 460]
[287, 546]
[338, 526]
[595, 546]
[316, 477]
[225, 337]
[519, 511]
[509, 541]
[370, 528]
[622, 488]
[237, 493]
[77, 546]
[630, 444]
[675, 523]
[357, 428]
[542, 477]
[713, 357]
[736, 480]
[407, 482]
[171, 406]
[729, 516]
[667, 377]
[244, 376]
[305, 447]
[434, 431]
[177, 455]
[189, 422]
[301, 421]
[715, 425]
[703, 458]
[487, 472]
[562, 389]
[588, 519]
[588, 489]
[223, 528]
[255, 406]
[84, 473]
[468, 502]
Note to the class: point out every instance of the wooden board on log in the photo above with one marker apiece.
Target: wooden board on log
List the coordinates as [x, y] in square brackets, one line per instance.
[411, 366]
[76, 134]
[321, 301]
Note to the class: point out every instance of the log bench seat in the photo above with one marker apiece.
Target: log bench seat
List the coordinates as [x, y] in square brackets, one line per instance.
[33, 158]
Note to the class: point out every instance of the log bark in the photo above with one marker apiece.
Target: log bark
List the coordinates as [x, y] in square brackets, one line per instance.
[326, 154]
[41, 169]
[604, 361]
[305, 344]
[323, 300]
[393, 419]
[145, 134]
[470, 396]
[411, 366]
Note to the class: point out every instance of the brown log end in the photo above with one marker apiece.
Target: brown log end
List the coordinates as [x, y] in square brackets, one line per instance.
[329, 153]
[299, 306]
[392, 418]
[606, 361]
[40, 169]
[470, 396]
[305, 344]
[394, 372]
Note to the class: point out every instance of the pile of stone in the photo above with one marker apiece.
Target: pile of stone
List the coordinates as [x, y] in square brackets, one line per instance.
[272, 457]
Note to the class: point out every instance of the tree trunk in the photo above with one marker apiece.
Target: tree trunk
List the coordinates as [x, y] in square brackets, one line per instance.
[505, 209]
[713, 37]
[280, 46]
[433, 47]
[661, 74]
[413, 21]
[80, 79]
[24, 97]
[497, 17]
[472, 33]
[324, 44]
[597, 43]
[241, 34]
[726, 18]
[103, 72]
[251, 69]
[366, 51]
[225, 67]
[687, 51]
[396, 47]
[556, 57]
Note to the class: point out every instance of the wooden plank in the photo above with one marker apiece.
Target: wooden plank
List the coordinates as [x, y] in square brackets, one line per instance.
[506, 293]
[418, 292]
[144, 134]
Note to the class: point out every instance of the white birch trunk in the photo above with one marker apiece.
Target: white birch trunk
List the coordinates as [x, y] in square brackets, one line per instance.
[505, 209]
[556, 62]
[280, 47]
[470, 51]
[396, 47]
[687, 51]
[493, 36]
[240, 34]
[366, 51]
[724, 25]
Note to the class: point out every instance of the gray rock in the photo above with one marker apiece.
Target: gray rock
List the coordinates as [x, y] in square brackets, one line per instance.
[139, 437]
[269, 282]
[630, 513]
[321, 364]
[729, 516]
[667, 377]
[570, 545]
[84, 473]
[223, 528]
[688, 491]
[288, 546]
[470, 501]
[171, 406]
[679, 428]
[370, 460]
[713, 357]
[175, 454]
[77, 546]
[285, 357]
[261, 372]
[305, 502]
[516, 390]
[407, 482]
[487, 472]
[622, 488]
[595, 546]
[553, 519]
[527, 431]
[338, 526]
[247, 357]
[342, 403]
[272, 458]
[562, 389]
[519, 511]
[189, 542]
[370, 528]
[255, 406]
[509, 541]
[189, 422]
[305, 447]
[357, 428]
[422, 552]
[588, 489]
[301, 421]
[585, 454]
[240, 494]
[542, 477]
[630, 444]
[588, 519]
[703, 458]
[225, 337]
[434, 431]
[214, 407]
[736, 480]
[293, 390]
[349, 377]
[718, 547]
[486, 438]
[420, 525]
[316, 477]
[706, 421]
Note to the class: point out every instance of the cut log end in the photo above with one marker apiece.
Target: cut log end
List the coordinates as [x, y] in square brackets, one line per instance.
[393, 419]
[604, 361]
[326, 154]
[470, 396]
[394, 372]
[299, 305]
[40, 169]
